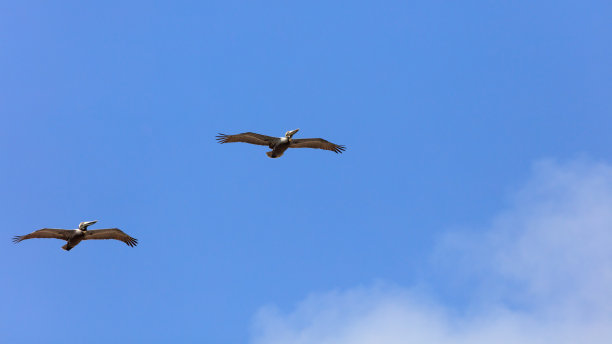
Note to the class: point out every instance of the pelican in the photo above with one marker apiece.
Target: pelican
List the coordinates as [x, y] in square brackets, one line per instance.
[74, 236]
[280, 144]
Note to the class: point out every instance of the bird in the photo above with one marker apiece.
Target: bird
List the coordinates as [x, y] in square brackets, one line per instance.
[75, 236]
[280, 144]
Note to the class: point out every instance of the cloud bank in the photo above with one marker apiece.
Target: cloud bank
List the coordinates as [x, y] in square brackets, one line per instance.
[540, 273]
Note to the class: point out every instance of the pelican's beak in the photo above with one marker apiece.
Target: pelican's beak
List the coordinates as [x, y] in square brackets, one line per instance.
[89, 223]
[292, 132]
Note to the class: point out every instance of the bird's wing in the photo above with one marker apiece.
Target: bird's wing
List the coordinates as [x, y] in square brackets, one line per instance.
[110, 233]
[249, 137]
[54, 233]
[317, 143]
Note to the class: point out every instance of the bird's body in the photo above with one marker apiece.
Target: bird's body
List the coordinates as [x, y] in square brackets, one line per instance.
[279, 145]
[75, 236]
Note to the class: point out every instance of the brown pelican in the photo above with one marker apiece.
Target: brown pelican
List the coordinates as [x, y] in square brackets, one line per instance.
[280, 144]
[74, 236]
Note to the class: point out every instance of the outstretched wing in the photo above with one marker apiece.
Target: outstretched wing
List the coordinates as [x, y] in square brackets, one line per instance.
[249, 137]
[317, 143]
[54, 233]
[110, 233]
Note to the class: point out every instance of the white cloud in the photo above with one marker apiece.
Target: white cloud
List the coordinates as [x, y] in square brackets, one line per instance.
[548, 259]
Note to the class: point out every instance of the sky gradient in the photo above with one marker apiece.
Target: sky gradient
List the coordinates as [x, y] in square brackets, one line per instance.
[449, 111]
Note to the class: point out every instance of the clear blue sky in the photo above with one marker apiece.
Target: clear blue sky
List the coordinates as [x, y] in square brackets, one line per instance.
[109, 112]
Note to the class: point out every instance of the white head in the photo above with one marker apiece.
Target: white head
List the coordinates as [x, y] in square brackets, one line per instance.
[83, 225]
[291, 133]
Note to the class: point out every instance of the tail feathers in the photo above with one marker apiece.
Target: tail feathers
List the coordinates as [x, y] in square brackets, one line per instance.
[67, 248]
[271, 154]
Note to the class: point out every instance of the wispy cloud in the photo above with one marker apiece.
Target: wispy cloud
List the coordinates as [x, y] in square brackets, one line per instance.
[542, 272]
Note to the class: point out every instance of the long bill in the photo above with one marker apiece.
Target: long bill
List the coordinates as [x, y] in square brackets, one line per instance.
[292, 132]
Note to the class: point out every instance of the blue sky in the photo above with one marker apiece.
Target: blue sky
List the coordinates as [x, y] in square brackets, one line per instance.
[109, 112]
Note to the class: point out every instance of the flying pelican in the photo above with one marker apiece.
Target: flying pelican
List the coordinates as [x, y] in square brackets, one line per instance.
[280, 144]
[74, 236]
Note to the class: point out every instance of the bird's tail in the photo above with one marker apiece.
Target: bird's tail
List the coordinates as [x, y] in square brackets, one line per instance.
[273, 155]
[67, 248]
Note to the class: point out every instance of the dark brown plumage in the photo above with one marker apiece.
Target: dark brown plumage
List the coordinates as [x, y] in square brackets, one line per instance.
[248, 137]
[75, 236]
[53, 233]
[110, 233]
[317, 143]
[280, 144]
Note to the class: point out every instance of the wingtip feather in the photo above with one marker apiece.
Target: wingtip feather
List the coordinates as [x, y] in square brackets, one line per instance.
[339, 149]
[132, 242]
[221, 138]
